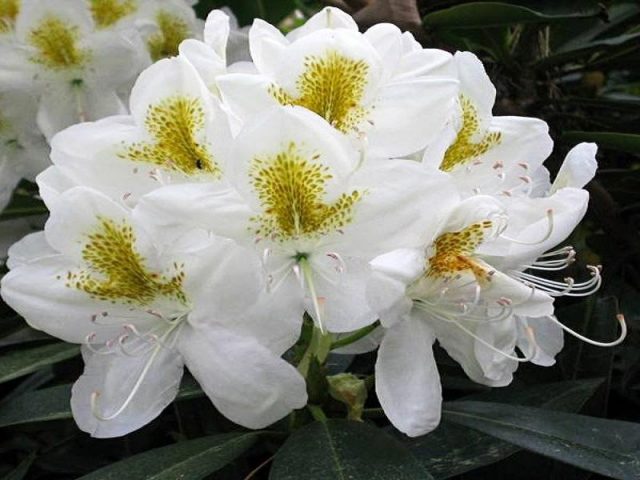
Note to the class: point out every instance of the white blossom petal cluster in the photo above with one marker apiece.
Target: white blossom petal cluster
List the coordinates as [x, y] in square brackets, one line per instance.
[69, 61]
[354, 177]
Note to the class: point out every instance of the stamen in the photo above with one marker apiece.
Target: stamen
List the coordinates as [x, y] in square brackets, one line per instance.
[526, 358]
[341, 266]
[567, 288]
[308, 277]
[145, 370]
[618, 341]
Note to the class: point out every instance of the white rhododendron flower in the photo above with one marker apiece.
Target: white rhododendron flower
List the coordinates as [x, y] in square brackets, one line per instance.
[379, 87]
[486, 154]
[75, 69]
[23, 151]
[95, 277]
[176, 132]
[240, 194]
[304, 197]
[477, 291]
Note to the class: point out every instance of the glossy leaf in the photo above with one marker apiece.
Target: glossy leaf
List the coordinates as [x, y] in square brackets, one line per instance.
[626, 142]
[341, 450]
[17, 363]
[22, 469]
[607, 447]
[454, 449]
[188, 460]
[493, 14]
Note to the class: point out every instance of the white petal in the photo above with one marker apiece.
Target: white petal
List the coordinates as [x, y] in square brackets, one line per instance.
[391, 214]
[475, 83]
[208, 65]
[328, 17]
[407, 380]
[578, 168]
[275, 131]
[37, 290]
[549, 338]
[461, 346]
[32, 247]
[246, 94]
[216, 32]
[267, 45]
[76, 215]
[408, 115]
[342, 295]
[173, 210]
[114, 378]
[524, 144]
[245, 381]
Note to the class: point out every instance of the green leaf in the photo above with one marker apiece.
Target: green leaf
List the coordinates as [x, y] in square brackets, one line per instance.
[341, 450]
[626, 142]
[493, 14]
[18, 363]
[455, 449]
[23, 204]
[273, 11]
[21, 470]
[53, 404]
[188, 460]
[607, 447]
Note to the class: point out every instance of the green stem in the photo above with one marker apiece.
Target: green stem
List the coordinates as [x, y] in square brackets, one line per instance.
[355, 336]
[317, 413]
[319, 347]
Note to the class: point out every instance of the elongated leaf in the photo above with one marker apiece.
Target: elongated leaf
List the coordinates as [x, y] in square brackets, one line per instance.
[17, 363]
[344, 450]
[454, 449]
[21, 470]
[53, 404]
[607, 447]
[189, 460]
[626, 142]
[493, 14]
[604, 45]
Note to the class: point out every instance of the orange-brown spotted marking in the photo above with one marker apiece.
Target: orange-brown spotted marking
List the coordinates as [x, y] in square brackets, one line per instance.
[291, 187]
[466, 149]
[117, 272]
[454, 253]
[331, 86]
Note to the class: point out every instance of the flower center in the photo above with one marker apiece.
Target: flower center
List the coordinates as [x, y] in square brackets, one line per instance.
[454, 250]
[118, 272]
[171, 32]
[465, 149]
[291, 187]
[108, 12]
[56, 43]
[331, 86]
[174, 123]
[9, 10]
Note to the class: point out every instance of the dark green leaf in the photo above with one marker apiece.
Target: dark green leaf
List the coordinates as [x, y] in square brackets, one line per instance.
[188, 460]
[53, 404]
[493, 14]
[455, 449]
[21, 470]
[607, 447]
[272, 11]
[626, 142]
[17, 363]
[341, 450]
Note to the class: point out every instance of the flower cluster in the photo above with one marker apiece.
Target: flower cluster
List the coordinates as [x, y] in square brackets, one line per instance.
[69, 61]
[355, 177]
